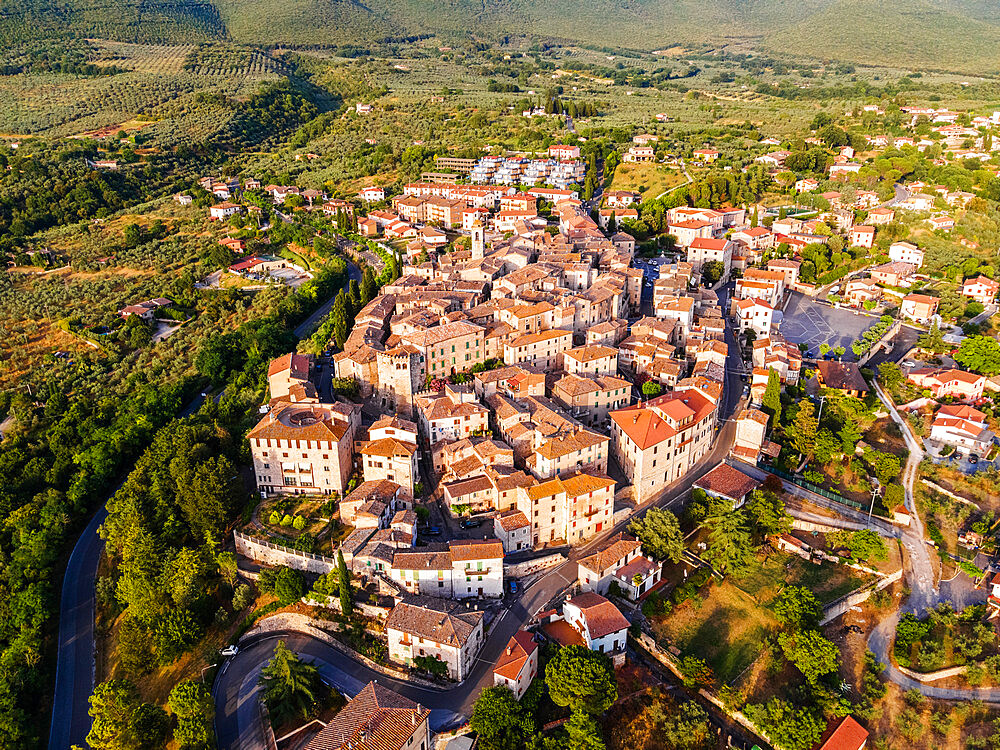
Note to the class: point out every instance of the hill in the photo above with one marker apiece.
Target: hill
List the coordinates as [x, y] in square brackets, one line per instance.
[959, 35]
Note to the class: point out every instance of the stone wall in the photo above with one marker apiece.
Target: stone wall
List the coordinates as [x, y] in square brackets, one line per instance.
[941, 674]
[836, 608]
[262, 551]
[519, 570]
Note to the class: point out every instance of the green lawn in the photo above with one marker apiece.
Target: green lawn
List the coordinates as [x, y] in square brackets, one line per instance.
[826, 581]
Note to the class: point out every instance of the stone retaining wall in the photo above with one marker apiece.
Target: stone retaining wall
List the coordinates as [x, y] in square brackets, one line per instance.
[263, 551]
[304, 624]
[519, 570]
[836, 608]
[941, 674]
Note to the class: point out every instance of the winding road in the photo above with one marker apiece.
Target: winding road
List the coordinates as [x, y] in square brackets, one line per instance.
[919, 571]
[236, 691]
[75, 661]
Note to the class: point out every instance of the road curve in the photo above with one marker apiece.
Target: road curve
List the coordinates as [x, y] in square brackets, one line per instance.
[235, 691]
[75, 665]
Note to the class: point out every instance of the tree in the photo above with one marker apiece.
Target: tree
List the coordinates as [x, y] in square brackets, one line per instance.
[803, 430]
[651, 389]
[863, 545]
[192, 704]
[890, 375]
[122, 721]
[687, 727]
[660, 534]
[581, 679]
[712, 272]
[796, 607]
[290, 684]
[220, 355]
[368, 286]
[824, 349]
[812, 654]
[933, 340]
[289, 586]
[730, 547]
[584, 734]
[767, 513]
[499, 720]
[771, 401]
[788, 727]
[980, 354]
[341, 326]
[696, 672]
[839, 351]
[344, 579]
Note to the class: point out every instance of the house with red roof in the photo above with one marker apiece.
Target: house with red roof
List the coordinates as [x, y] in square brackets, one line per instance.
[949, 381]
[843, 734]
[518, 664]
[376, 719]
[600, 623]
[728, 483]
[962, 427]
[982, 289]
[660, 440]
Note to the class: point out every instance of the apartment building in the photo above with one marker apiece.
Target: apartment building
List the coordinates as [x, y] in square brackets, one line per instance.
[304, 448]
[376, 719]
[435, 628]
[702, 251]
[462, 569]
[657, 442]
[288, 378]
[450, 348]
[964, 428]
[596, 571]
[452, 414]
[592, 399]
[591, 360]
[542, 350]
[572, 508]
[392, 459]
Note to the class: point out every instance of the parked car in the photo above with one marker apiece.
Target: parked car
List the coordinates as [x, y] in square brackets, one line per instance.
[973, 458]
[432, 531]
[472, 523]
[513, 587]
[231, 650]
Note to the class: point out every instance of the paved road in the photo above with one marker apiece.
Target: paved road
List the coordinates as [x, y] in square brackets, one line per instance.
[75, 665]
[310, 324]
[235, 688]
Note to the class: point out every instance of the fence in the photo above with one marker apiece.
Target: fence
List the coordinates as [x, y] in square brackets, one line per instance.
[261, 550]
[810, 486]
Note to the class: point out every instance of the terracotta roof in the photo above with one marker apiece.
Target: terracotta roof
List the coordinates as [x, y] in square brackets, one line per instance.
[297, 365]
[602, 617]
[591, 353]
[573, 486]
[726, 481]
[299, 422]
[389, 448]
[514, 519]
[842, 376]
[476, 549]
[617, 549]
[439, 621]
[375, 719]
[845, 734]
[961, 411]
[519, 649]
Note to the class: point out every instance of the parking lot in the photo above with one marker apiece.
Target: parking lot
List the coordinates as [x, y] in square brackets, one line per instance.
[806, 321]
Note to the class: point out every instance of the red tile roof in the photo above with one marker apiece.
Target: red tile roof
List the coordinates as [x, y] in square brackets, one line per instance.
[519, 649]
[729, 482]
[375, 719]
[845, 734]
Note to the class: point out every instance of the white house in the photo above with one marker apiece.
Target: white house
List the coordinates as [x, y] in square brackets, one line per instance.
[962, 427]
[596, 571]
[372, 194]
[513, 529]
[464, 569]
[600, 624]
[518, 664]
[435, 628]
[224, 210]
[906, 252]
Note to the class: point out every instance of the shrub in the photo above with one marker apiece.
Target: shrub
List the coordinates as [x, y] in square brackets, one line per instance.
[274, 519]
[242, 597]
[286, 520]
[298, 523]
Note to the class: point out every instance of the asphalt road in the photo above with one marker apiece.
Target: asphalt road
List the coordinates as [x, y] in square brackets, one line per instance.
[237, 719]
[75, 665]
